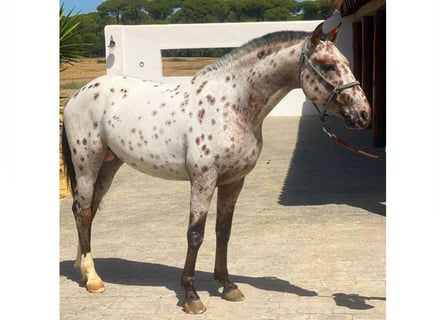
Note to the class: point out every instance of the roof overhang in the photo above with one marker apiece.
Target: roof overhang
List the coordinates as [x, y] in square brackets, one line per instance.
[358, 8]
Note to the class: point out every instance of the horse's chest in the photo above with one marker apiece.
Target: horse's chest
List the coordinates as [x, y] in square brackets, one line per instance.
[237, 159]
[232, 157]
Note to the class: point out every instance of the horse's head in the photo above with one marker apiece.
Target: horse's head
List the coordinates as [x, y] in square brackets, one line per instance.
[327, 80]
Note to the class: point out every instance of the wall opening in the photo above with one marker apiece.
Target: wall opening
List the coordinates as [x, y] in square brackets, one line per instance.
[186, 62]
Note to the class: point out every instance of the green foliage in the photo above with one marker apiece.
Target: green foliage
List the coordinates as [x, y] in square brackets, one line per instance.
[160, 10]
[205, 52]
[113, 8]
[277, 14]
[201, 11]
[313, 10]
[70, 47]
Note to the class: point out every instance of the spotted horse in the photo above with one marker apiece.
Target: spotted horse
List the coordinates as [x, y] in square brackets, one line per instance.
[207, 131]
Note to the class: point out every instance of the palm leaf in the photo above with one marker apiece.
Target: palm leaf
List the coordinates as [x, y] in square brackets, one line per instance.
[70, 50]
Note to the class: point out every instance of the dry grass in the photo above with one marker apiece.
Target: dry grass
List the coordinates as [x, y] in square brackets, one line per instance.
[184, 66]
[75, 76]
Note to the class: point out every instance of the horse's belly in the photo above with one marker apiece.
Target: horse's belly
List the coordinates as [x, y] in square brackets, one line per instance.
[149, 148]
[162, 162]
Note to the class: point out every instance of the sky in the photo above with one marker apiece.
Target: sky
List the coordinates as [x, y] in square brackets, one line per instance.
[85, 6]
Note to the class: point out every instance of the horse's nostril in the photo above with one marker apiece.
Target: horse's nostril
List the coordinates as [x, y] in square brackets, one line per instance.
[364, 115]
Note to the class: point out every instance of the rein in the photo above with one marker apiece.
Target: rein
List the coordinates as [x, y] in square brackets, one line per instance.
[335, 91]
[333, 136]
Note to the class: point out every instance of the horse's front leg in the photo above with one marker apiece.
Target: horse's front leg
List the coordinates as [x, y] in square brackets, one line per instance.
[201, 194]
[227, 197]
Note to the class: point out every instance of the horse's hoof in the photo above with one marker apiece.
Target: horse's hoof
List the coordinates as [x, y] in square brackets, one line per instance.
[233, 294]
[194, 307]
[95, 286]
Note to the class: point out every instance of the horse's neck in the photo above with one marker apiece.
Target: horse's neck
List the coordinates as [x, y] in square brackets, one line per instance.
[264, 77]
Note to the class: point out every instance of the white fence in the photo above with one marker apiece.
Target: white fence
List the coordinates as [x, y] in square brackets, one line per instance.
[136, 50]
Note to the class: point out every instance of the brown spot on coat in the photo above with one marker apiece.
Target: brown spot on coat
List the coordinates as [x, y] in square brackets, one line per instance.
[261, 54]
[201, 114]
[210, 99]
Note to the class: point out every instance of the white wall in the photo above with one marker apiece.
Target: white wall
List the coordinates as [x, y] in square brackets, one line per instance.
[137, 50]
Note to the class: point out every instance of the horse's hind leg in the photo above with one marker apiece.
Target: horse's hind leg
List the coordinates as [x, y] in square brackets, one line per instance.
[227, 197]
[102, 185]
[84, 218]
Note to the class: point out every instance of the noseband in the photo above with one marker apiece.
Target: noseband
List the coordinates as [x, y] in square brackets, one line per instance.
[336, 89]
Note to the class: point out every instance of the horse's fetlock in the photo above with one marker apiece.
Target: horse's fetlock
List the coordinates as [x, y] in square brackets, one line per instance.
[188, 281]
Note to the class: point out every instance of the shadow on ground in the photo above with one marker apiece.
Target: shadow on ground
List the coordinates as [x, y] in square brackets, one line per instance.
[125, 272]
[354, 301]
[323, 172]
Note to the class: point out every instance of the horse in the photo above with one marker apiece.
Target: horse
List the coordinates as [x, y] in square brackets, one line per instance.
[207, 131]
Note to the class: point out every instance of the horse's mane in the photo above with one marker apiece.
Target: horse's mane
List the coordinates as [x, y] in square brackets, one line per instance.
[266, 40]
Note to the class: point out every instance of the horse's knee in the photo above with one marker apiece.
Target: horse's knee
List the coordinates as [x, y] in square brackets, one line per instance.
[195, 236]
[77, 210]
[85, 191]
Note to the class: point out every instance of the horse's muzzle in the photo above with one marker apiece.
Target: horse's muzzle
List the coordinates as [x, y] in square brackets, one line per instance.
[357, 119]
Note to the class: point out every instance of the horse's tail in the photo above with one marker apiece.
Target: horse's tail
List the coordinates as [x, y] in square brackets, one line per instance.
[68, 162]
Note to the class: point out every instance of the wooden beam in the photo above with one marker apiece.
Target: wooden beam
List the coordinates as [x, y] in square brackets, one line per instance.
[368, 57]
[357, 49]
[369, 9]
[379, 110]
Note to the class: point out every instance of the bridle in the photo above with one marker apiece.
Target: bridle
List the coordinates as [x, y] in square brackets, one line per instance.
[335, 91]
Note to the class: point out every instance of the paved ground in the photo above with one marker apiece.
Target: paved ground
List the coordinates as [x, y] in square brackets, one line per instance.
[308, 239]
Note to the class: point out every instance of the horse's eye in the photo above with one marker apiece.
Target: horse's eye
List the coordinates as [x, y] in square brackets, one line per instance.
[328, 67]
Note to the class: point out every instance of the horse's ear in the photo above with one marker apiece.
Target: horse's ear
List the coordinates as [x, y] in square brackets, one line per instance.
[332, 35]
[317, 34]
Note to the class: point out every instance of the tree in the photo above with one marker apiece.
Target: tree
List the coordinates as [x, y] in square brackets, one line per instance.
[277, 14]
[313, 10]
[325, 9]
[135, 12]
[162, 9]
[114, 8]
[200, 11]
[255, 9]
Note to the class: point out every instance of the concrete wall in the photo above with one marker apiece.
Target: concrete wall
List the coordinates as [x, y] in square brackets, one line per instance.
[137, 50]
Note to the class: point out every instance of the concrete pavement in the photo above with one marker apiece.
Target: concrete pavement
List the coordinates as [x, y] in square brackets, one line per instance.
[308, 238]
